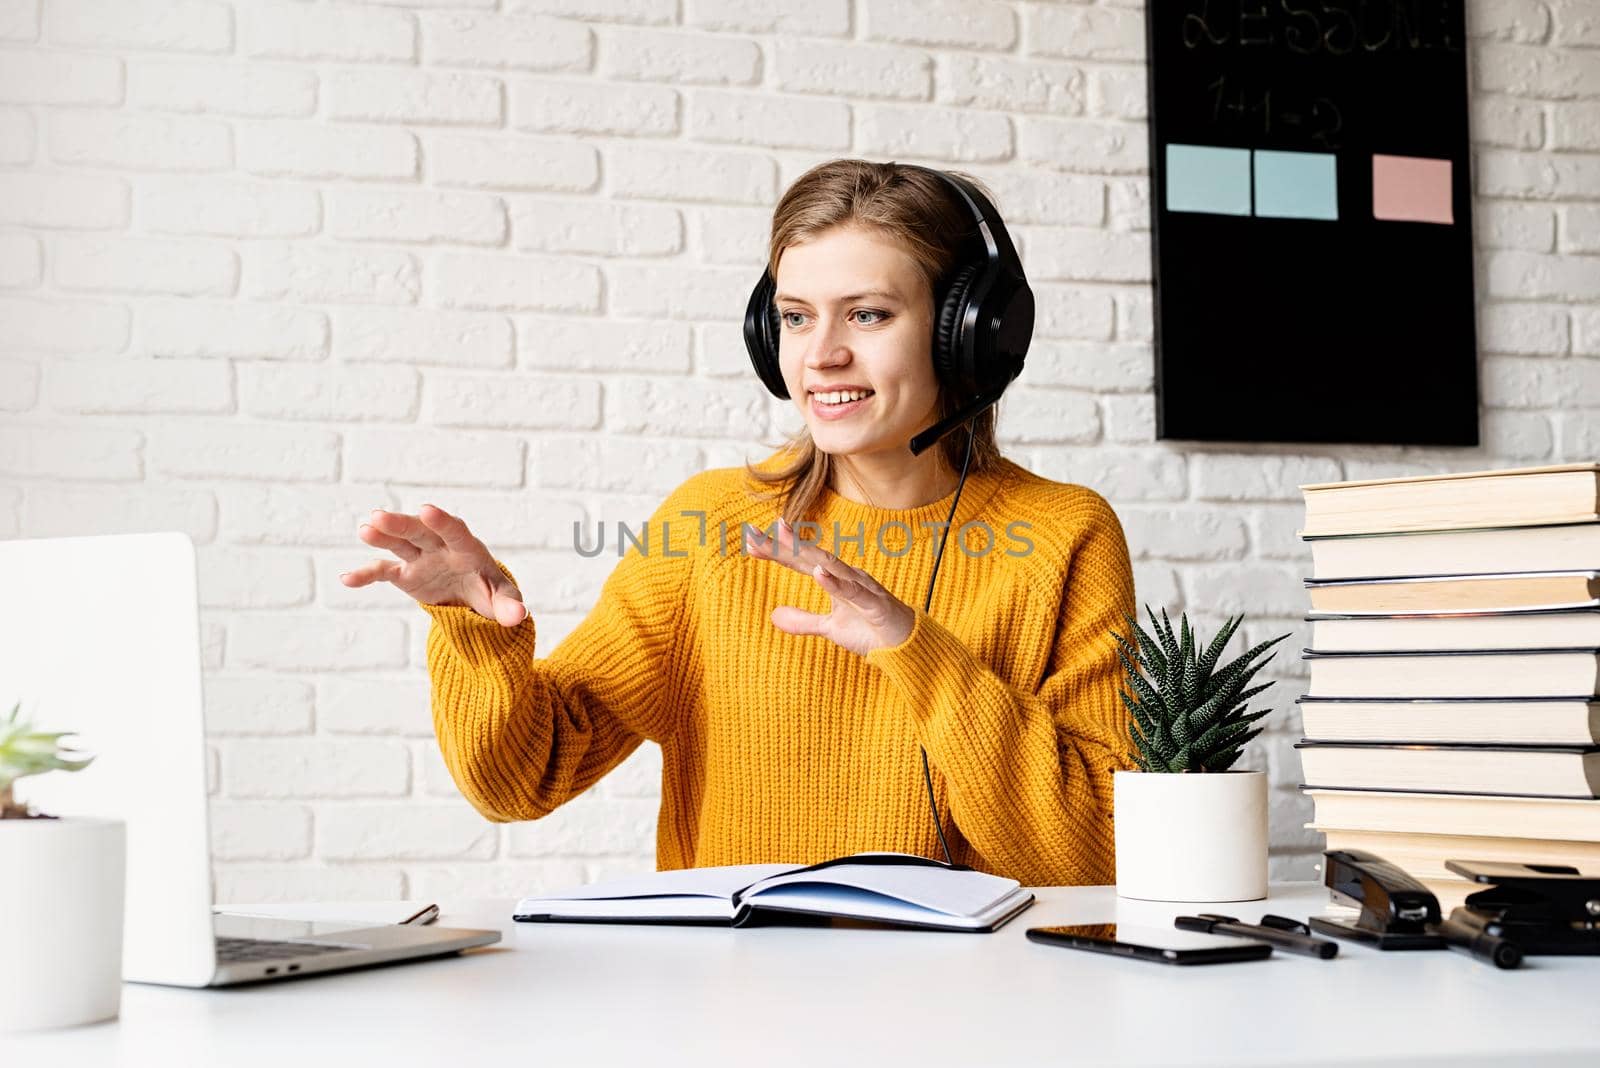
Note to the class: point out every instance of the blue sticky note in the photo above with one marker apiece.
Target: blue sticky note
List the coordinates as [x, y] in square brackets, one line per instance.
[1208, 179]
[1297, 185]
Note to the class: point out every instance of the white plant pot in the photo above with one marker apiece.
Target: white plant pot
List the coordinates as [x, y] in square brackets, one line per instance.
[1191, 836]
[61, 901]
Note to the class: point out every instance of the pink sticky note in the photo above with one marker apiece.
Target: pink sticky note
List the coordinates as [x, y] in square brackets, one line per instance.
[1411, 189]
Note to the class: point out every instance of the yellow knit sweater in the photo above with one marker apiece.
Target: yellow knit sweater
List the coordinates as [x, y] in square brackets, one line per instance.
[783, 748]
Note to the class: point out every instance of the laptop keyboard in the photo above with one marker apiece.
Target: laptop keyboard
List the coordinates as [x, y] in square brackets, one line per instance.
[232, 950]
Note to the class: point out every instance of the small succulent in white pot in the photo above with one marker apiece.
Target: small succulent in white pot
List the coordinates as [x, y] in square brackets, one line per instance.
[61, 901]
[1187, 825]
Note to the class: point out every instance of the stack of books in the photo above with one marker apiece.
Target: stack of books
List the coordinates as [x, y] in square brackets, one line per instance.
[1453, 711]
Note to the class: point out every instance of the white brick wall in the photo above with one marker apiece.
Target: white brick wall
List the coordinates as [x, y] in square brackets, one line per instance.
[267, 265]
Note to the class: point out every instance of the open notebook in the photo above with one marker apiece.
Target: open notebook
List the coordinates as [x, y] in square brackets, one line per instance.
[891, 888]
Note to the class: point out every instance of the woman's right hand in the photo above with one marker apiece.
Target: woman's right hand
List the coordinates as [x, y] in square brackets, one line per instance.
[441, 563]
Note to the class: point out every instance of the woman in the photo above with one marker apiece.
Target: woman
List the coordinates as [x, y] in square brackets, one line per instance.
[790, 682]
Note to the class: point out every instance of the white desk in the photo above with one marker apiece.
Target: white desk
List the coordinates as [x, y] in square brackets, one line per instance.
[645, 997]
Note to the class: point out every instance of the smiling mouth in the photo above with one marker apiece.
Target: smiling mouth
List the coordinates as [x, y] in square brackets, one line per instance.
[838, 399]
[827, 412]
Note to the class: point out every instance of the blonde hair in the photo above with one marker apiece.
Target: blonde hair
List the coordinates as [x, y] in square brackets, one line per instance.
[922, 213]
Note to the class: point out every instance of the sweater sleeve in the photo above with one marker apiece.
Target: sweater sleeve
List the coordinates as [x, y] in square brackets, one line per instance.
[1029, 771]
[522, 736]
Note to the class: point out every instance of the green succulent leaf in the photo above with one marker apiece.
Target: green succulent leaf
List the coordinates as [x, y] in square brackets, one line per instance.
[1144, 719]
[1147, 693]
[1240, 662]
[1226, 735]
[1164, 633]
[26, 751]
[1161, 746]
[1172, 680]
[1222, 762]
[1149, 651]
[1208, 661]
[1190, 669]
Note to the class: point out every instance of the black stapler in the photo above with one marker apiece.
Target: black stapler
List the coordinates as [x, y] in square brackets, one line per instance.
[1543, 908]
[1398, 912]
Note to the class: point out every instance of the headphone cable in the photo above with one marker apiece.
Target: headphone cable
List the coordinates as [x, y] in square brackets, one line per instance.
[927, 603]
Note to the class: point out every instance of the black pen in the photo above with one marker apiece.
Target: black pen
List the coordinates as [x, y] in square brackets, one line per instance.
[1280, 931]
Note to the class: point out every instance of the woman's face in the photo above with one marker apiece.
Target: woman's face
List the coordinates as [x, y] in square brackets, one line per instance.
[854, 312]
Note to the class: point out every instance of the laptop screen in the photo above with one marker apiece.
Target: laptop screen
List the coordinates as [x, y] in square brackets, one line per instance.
[105, 642]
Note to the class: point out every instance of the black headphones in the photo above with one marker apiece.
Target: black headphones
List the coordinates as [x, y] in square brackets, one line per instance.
[982, 325]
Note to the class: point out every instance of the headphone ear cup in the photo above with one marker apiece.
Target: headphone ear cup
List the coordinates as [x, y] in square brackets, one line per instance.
[761, 336]
[947, 361]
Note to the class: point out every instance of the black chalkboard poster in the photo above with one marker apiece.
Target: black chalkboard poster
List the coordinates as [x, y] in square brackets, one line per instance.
[1311, 216]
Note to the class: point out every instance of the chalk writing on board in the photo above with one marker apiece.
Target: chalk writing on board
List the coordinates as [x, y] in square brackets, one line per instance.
[1275, 110]
[1326, 27]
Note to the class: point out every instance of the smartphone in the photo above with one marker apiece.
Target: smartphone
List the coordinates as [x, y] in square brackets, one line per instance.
[1164, 945]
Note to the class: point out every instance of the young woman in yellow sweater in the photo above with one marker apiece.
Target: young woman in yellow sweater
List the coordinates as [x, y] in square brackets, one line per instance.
[794, 683]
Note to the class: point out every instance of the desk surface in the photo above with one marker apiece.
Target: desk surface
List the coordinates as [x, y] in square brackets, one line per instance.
[568, 994]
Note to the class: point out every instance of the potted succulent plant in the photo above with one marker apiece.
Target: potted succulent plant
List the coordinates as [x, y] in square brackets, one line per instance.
[1187, 825]
[61, 896]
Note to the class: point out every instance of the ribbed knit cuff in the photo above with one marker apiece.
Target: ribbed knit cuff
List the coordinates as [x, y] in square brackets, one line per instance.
[478, 640]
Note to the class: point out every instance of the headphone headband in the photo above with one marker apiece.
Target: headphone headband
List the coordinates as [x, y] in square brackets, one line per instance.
[996, 239]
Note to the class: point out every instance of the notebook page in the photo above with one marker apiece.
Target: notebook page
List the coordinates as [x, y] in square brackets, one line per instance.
[642, 894]
[864, 904]
[954, 893]
[679, 907]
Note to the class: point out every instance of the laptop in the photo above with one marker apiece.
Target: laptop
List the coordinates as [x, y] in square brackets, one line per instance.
[101, 637]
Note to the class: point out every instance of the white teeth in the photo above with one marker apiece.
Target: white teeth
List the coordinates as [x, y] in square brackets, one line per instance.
[842, 396]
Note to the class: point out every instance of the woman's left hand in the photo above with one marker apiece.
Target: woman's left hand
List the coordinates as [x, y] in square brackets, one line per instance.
[865, 616]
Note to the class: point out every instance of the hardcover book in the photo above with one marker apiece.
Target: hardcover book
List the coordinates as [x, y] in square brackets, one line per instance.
[1518, 771]
[1456, 673]
[1525, 496]
[1413, 594]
